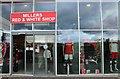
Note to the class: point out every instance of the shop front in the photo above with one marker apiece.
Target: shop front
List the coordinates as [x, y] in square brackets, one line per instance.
[29, 53]
[60, 38]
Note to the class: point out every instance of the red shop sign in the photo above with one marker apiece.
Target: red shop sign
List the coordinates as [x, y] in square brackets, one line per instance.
[32, 17]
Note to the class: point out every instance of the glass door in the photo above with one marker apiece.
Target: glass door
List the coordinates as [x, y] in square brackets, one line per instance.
[44, 54]
[18, 53]
[29, 54]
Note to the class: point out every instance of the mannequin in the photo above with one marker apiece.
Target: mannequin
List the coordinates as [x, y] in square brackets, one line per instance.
[47, 55]
[3, 46]
[114, 55]
[4, 55]
[68, 51]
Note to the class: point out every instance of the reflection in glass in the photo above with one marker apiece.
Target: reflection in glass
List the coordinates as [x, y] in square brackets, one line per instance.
[22, 27]
[44, 58]
[41, 6]
[66, 0]
[0, 15]
[110, 14]
[111, 52]
[67, 15]
[90, 15]
[29, 54]
[5, 16]
[22, 7]
[90, 52]
[44, 26]
[67, 52]
[18, 54]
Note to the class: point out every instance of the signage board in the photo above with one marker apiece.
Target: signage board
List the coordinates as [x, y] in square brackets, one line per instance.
[32, 17]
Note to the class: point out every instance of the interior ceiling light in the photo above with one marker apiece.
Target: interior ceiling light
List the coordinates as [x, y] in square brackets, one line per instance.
[88, 5]
[74, 24]
[25, 5]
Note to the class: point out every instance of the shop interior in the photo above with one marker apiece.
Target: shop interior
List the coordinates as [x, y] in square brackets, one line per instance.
[28, 54]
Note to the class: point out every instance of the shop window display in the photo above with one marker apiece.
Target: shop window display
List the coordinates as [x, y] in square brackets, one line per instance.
[68, 52]
[114, 54]
[90, 52]
[68, 48]
[5, 52]
[111, 51]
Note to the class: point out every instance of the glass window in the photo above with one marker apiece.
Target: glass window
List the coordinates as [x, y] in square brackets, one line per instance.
[110, 14]
[90, 15]
[118, 15]
[67, 15]
[0, 15]
[29, 54]
[5, 18]
[5, 52]
[44, 54]
[44, 26]
[22, 7]
[19, 57]
[67, 52]
[90, 52]
[67, 0]
[41, 6]
[22, 27]
[119, 32]
[111, 51]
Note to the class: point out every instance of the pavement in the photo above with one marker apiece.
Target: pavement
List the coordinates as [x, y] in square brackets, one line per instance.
[60, 78]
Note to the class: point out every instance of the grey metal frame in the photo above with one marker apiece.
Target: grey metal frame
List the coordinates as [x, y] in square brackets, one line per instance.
[79, 32]
[33, 53]
[101, 18]
[25, 55]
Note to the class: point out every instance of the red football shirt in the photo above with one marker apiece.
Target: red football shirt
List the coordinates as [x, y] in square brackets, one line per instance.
[68, 48]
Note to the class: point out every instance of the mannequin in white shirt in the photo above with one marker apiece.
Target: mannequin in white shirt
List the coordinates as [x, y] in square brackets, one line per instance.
[47, 54]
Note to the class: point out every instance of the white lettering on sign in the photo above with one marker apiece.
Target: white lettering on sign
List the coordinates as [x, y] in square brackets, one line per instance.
[48, 18]
[33, 15]
[23, 19]
[16, 19]
[33, 19]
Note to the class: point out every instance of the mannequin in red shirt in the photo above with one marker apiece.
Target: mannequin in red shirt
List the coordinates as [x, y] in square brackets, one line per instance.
[68, 53]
